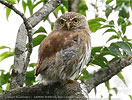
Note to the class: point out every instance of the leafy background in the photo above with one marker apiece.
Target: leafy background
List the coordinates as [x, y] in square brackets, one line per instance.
[110, 25]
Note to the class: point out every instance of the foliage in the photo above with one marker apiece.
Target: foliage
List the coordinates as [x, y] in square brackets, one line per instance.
[118, 44]
[130, 97]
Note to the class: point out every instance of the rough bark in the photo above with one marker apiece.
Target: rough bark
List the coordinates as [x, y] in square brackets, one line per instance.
[56, 91]
[28, 29]
[107, 73]
[19, 70]
[69, 91]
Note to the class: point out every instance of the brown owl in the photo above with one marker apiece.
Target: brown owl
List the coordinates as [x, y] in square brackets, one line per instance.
[64, 52]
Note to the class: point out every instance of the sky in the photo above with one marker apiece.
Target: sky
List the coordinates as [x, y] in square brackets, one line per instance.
[8, 33]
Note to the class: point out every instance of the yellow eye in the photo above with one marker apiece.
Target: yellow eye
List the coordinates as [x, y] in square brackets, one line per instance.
[62, 22]
[75, 20]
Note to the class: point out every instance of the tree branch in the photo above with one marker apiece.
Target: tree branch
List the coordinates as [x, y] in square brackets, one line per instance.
[49, 21]
[29, 34]
[69, 5]
[71, 90]
[75, 5]
[19, 68]
[107, 73]
[39, 91]
[55, 14]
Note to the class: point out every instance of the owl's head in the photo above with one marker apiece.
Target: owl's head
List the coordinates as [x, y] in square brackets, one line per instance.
[70, 21]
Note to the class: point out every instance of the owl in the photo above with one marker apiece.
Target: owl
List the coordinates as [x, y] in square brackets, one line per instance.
[65, 51]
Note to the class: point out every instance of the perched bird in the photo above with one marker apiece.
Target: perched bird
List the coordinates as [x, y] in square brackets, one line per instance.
[64, 52]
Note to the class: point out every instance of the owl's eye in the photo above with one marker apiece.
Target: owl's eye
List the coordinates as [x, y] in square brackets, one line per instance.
[76, 20]
[62, 22]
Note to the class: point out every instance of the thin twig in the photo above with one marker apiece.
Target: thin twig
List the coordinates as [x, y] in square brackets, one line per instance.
[28, 28]
[55, 14]
[49, 21]
[69, 5]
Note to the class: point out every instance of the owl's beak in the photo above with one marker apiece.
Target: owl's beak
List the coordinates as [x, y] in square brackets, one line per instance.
[68, 25]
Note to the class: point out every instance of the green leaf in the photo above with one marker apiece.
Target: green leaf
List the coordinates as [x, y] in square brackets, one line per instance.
[115, 50]
[131, 4]
[106, 26]
[114, 59]
[113, 37]
[57, 9]
[112, 22]
[65, 3]
[45, 1]
[1, 90]
[127, 3]
[52, 26]
[94, 24]
[106, 51]
[30, 6]
[85, 72]
[126, 39]
[108, 1]
[11, 1]
[110, 95]
[30, 79]
[4, 77]
[63, 10]
[97, 20]
[82, 8]
[120, 20]
[124, 12]
[108, 11]
[32, 64]
[6, 55]
[110, 30]
[41, 29]
[100, 61]
[130, 44]
[37, 40]
[8, 11]
[125, 47]
[11, 68]
[130, 97]
[119, 2]
[24, 5]
[107, 84]
[8, 87]
[96, 50]
[128, 22]
[35, 5]
[123, 27]
[115, 90]
[85, 76]
[45, 18]
[122, 78]
[4, 47]
[119, 33]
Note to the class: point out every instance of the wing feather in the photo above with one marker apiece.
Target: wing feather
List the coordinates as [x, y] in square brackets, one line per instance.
[56, 41]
